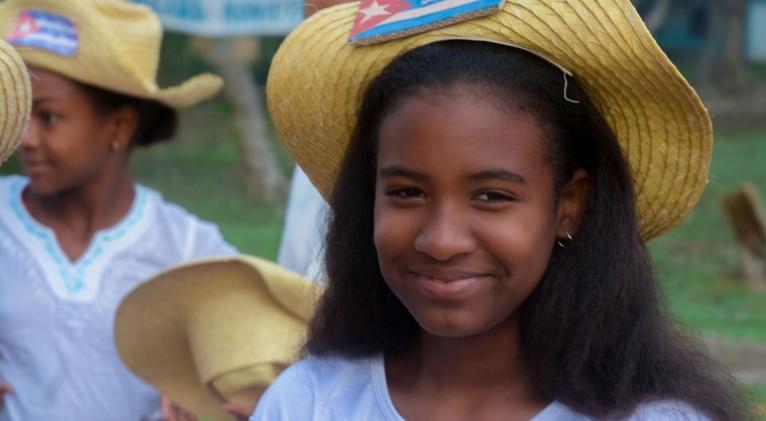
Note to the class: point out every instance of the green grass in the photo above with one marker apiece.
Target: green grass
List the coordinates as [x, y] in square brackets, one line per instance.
[696, 263]
[202, 171]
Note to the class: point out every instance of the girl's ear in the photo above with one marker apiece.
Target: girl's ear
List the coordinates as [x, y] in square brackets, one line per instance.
[571, 205]
[124, 122]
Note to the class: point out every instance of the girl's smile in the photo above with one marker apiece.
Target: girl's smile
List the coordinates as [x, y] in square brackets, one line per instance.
[438, 284]
[466, 214]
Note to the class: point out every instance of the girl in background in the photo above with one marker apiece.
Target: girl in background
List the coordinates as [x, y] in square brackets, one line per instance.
[77, 233]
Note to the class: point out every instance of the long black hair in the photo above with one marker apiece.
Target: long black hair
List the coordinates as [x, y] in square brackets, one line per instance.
[594, 332]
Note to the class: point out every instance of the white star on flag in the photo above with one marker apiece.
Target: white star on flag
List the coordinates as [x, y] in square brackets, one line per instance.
[375, 9]
[26, 27]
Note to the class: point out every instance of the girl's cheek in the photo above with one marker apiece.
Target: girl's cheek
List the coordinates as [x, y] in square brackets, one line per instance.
[393, 230]
[385, 229]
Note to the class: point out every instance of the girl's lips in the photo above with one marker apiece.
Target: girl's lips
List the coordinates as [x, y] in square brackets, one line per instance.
[35, 167]
[451, 288]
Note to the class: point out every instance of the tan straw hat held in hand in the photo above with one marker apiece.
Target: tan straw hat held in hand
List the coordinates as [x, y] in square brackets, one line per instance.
[317, 80]
[15, 100]
[112, 44]
[222, 327]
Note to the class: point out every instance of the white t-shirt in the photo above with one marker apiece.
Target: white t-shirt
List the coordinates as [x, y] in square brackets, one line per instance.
[341, 389]
[56, 316]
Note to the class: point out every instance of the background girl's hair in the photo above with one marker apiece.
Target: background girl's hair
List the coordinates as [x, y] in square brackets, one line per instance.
[156, 122]
[594, 335]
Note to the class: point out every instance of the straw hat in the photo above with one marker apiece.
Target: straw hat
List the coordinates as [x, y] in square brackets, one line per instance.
[317, 80]
[214, 328]
[112, 44]
[15, 94]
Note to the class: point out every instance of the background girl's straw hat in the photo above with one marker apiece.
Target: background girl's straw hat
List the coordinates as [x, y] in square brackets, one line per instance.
[112, 44]
[317, 80]
[15, 100]
[214, 327]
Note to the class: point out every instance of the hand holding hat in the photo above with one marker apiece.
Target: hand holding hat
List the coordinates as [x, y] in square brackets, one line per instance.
[215, 330]
[15, 99]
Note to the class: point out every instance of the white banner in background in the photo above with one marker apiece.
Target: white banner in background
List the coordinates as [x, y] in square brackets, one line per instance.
[226, 18]
[756, 40]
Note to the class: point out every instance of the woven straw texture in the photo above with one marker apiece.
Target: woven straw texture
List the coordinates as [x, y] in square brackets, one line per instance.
[214, 327]
[119, 49]
[317, 80]
[15, 100]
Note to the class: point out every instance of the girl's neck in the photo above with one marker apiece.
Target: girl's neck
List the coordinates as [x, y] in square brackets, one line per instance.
[484, 360]
[76, 214]
[464, 372]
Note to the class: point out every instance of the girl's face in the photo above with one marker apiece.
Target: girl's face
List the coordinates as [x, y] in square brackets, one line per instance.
[465, 211]
[67, 143]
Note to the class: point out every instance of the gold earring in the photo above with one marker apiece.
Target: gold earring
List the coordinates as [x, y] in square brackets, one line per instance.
[564, 243]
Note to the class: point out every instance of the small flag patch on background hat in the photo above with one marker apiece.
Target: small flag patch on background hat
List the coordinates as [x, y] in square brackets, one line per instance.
[383, 20]
[46, 31]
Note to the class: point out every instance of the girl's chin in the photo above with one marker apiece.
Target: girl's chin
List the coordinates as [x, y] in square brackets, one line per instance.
[457, 324]
[453, 328]
[43, 187]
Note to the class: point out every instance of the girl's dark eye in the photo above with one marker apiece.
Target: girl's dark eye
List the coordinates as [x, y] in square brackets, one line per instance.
[405, 193]
[494, 197]
[49, 118]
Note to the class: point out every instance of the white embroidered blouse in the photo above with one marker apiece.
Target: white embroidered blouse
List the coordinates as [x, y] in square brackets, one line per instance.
[56, 316]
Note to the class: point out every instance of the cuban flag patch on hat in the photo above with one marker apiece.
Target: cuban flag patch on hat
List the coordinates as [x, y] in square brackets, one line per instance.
[383, 20]
[46, 31]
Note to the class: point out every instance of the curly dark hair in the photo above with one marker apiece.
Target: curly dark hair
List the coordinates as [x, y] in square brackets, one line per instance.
[595, 334]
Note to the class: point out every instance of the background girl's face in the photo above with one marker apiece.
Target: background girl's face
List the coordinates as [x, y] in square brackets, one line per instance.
[67, 142]
[465, 211]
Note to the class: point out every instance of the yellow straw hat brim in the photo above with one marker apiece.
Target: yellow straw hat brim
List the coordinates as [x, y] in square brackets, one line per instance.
[118, 49]
[317, 81]
[15, 100]
[212, 327]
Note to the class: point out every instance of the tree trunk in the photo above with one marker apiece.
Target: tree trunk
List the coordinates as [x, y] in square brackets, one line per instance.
[722, 63]
[733, 63]
[232, 59]
[707, 70]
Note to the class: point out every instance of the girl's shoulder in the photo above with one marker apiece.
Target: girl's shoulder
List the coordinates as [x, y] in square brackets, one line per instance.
[328, 375]
[667, 410]
[323, 388]
[661, 410]
[196, 237]
[6, 181]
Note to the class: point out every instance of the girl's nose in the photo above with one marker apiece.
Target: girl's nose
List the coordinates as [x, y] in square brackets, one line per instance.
[31, 136]
[445, 235]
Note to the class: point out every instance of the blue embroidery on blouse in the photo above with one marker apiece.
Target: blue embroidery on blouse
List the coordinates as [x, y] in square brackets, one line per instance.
[73, 274]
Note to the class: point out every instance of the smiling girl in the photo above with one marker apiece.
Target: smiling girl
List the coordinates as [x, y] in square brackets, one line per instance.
[492, 185]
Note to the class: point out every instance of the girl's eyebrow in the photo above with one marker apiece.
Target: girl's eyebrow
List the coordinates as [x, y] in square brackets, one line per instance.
[43, 100]
[493, 174]
[400, 171]
[499, 174]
